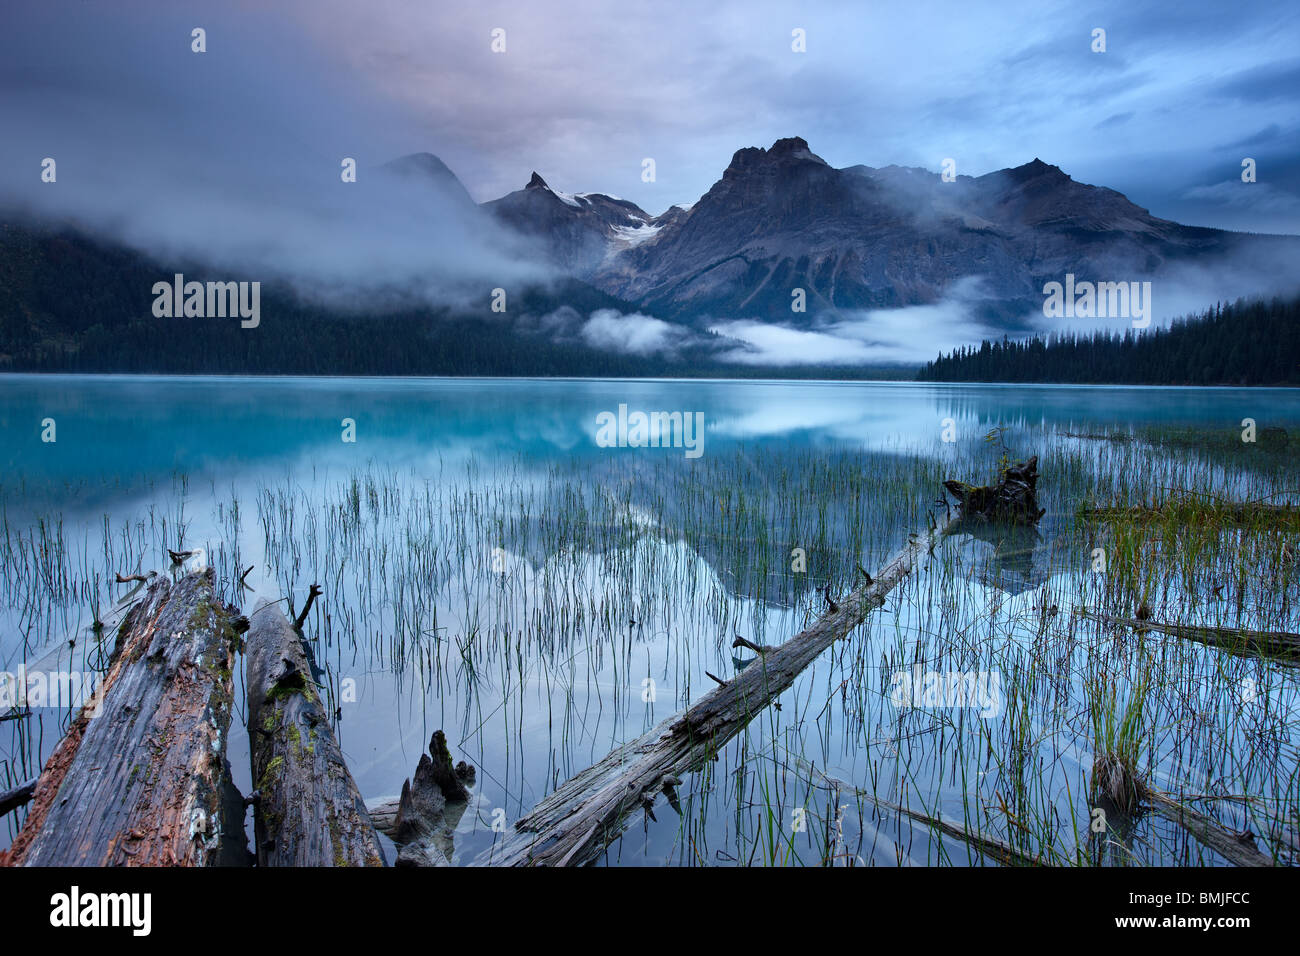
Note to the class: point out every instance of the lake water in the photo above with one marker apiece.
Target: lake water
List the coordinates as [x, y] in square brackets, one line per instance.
[492, 570]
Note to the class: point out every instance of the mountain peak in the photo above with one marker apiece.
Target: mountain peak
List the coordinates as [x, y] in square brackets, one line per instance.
[418, 162]
[428, 169]
[788, 144]
[789, 148]
[1036, 168]
[537, 182]
[794, 147]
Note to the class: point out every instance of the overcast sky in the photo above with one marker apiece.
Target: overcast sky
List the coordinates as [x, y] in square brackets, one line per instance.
[586, 90]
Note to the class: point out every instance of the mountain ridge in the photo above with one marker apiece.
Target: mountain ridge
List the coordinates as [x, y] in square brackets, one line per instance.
[860, 238]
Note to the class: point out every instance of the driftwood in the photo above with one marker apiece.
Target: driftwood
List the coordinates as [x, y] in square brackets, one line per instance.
[584, 815]
[423, 820]
[1189, 509]
[990, 846]
[146, 782]
[1237, 848]
[1281, 646]
[17, 796]
[307, 808]
[1013, 500]
[577, 821]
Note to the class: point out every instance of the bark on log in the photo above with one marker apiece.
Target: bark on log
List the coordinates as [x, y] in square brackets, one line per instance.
[145, 782]
[578, 820]
[308, 810]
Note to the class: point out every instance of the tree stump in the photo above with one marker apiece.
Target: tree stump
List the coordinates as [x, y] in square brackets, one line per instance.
[1013, 500]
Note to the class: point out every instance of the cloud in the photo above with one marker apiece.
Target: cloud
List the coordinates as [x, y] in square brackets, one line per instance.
[1259, 196]
[232, 157]
[634, 334]
[586, 96]
[872, 337]
[1119, 119]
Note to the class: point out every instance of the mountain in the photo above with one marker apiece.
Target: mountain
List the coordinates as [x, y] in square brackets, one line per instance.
[858, 238]
[428, 171]
[778, 219]
[578, 232]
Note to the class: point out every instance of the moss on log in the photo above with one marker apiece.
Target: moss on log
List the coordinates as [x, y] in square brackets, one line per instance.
[141, 777]
[308, 810]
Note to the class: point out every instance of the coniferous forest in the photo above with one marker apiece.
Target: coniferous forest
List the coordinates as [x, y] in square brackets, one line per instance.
[1253, 342]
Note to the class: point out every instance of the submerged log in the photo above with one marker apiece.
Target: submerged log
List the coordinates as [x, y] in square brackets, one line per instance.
[1237, 848]
[1282, 646]
[1191, 510]
[141, 777]
[578, 820]
[307, 810]
[986, 844]
[422, 822]
[1013, 500]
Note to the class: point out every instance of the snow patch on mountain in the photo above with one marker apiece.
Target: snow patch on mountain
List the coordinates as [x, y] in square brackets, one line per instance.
[635, 235]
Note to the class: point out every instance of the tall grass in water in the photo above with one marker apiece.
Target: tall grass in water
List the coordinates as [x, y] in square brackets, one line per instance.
[528, 610]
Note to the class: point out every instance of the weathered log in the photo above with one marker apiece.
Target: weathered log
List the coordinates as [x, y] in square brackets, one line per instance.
[1236, 848]
[18, 796]
[146, 781]
[1012, 500]
[579, 819]
[307, 810]
[422, 822]
[1283, 646]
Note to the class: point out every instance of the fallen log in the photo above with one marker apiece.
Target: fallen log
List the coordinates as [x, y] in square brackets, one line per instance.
[578, 820]
[574, 824]
[990, 846]
[1236, 848]
[1282, 646]
[307, 808]
[1192, 510]
[422, 821]
[17, 796]
[145, 782]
